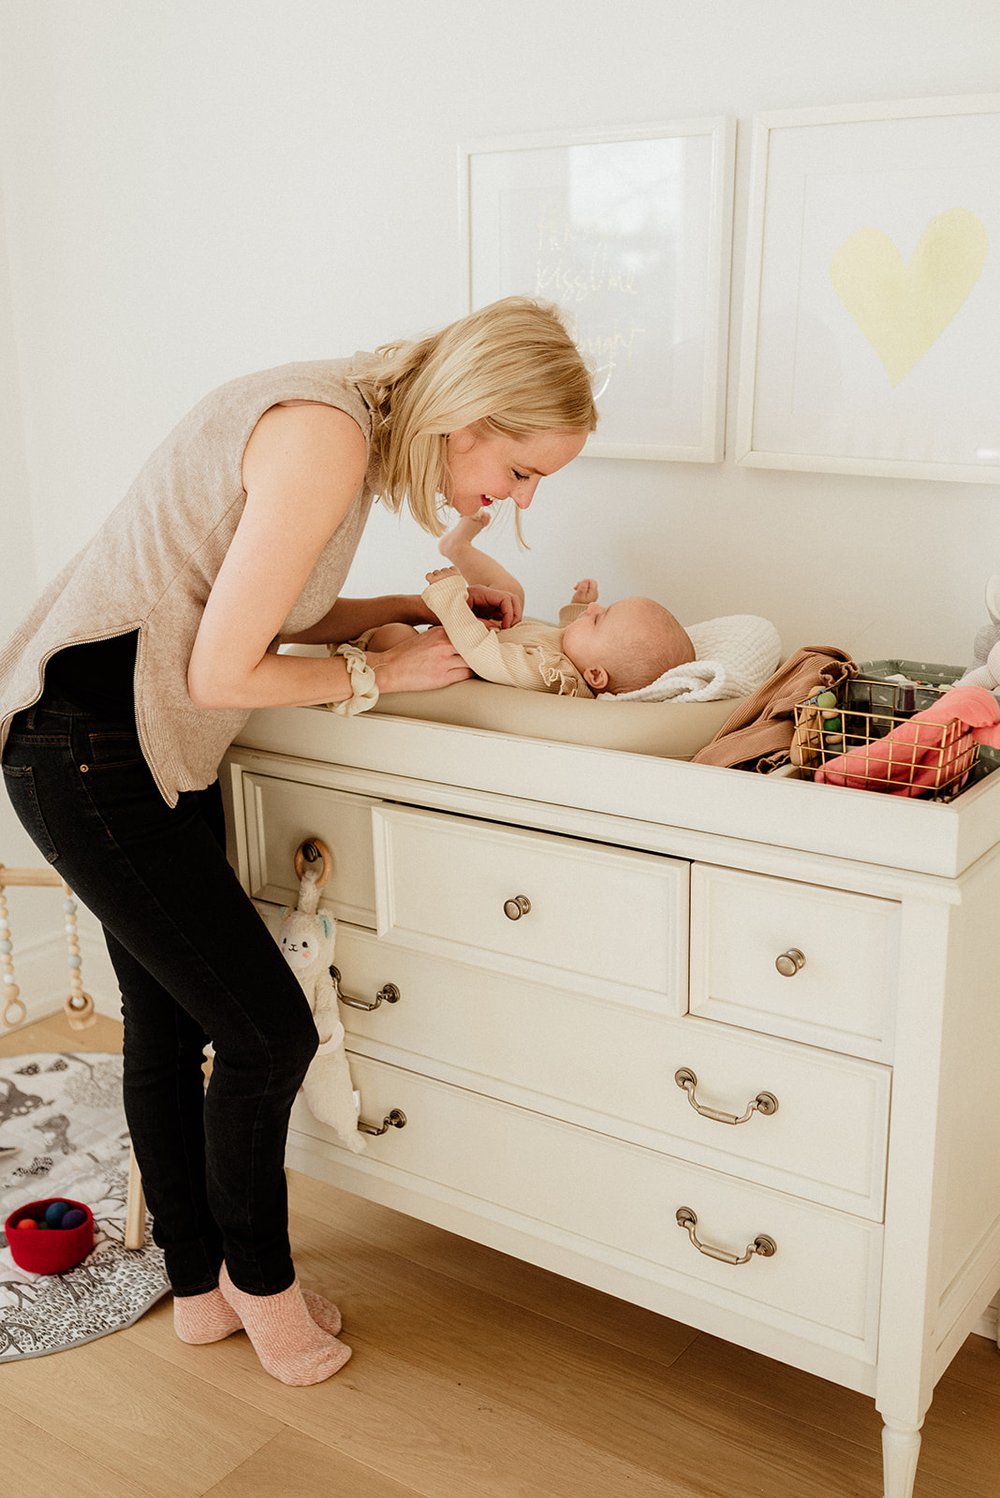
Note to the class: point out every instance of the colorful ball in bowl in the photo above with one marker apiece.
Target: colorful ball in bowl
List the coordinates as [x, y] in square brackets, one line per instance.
[45, 1240]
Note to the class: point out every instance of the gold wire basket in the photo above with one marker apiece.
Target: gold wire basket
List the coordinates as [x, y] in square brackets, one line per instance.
[843, 733]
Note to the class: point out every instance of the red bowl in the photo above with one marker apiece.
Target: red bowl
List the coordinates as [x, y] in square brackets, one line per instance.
[49, 1250]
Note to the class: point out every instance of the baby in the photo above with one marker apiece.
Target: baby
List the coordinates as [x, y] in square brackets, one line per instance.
[617, 648]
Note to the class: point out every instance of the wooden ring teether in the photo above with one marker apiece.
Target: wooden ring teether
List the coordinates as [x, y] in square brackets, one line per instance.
[322, 852]
[80, 1010]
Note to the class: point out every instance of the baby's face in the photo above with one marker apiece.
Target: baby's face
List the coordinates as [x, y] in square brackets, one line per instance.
[599, 638]
[626, 645]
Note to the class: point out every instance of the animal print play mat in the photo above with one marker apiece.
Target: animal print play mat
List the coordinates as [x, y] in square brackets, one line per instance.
[63, 1133]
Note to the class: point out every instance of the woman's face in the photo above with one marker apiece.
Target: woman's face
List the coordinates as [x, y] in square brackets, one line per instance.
[484, 465]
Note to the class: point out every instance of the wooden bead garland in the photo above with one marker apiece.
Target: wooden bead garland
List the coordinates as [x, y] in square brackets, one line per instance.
[14, 1012]
[79, 1006]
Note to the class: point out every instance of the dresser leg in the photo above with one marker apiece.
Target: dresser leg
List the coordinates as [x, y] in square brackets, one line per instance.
[900, 1450]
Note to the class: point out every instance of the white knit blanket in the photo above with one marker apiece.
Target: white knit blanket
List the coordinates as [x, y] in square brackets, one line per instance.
[734, 656]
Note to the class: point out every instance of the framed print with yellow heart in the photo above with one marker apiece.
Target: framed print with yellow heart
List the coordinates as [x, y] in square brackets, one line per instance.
[871, 331]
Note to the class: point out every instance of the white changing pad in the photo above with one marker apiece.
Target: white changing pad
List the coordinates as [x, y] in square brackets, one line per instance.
[672, 718]
[672, 730]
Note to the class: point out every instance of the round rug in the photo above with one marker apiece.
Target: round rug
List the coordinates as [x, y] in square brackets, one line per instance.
[63, 1133]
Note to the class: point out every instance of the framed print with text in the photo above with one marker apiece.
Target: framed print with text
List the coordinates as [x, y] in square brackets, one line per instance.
[629, 233]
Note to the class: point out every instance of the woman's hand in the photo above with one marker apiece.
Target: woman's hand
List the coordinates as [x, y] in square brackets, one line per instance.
[494, 606]
[426, 661]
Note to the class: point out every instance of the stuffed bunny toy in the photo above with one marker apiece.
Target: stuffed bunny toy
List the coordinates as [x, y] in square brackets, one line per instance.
[985, 669]
[307, 937]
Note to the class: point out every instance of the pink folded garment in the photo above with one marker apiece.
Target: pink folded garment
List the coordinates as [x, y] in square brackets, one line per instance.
[927, 752]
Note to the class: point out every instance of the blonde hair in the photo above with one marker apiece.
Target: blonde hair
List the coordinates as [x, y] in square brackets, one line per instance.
[511, 366]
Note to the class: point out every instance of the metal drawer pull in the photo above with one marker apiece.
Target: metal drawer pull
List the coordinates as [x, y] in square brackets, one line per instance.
[762, 1245]
[515, 908]
[790, 962]
[394, 1120]
[388, 994]
[764, 1102]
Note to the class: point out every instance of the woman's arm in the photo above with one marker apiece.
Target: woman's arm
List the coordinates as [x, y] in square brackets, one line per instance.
[302, 468]
[350, 617]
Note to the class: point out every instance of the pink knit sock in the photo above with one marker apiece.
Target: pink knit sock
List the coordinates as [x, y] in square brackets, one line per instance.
[210, 1317]
[289, 1344]
[204, 1318]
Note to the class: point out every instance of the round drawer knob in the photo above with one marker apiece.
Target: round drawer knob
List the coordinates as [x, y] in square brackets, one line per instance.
[514, 909]
[790, 962]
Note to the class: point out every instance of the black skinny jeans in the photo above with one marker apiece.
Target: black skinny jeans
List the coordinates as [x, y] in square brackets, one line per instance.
[195, 962]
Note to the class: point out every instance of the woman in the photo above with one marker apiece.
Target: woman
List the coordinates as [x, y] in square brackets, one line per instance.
[137, 668]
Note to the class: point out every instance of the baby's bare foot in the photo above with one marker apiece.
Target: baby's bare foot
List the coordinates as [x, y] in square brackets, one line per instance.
[463, 533]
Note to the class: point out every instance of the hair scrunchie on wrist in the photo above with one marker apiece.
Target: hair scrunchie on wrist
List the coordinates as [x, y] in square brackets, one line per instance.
[364, 691]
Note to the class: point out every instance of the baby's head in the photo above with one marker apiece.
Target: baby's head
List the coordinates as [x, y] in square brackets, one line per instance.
[626, 645]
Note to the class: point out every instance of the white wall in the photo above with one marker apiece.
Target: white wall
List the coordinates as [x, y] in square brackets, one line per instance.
[195, 188]
[32, 912]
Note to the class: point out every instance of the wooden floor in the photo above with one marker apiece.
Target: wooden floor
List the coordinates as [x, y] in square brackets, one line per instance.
[473, 1376]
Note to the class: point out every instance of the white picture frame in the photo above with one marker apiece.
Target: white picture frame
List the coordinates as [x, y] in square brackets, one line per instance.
[629, 232]
[871, 330]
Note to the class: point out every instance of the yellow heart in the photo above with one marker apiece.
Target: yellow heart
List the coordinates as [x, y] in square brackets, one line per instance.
[903, 309]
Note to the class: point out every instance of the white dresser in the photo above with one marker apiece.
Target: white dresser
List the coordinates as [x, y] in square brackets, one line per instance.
[725, 1046]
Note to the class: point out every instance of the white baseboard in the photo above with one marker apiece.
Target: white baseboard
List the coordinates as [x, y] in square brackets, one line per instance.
[986, 1326]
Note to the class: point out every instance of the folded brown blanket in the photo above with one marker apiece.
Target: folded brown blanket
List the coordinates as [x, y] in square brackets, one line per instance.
[758, 735]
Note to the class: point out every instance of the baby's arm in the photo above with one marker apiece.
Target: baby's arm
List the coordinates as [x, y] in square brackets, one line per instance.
[490, 655]
[585, 592]
[388, 635]
[475, 565]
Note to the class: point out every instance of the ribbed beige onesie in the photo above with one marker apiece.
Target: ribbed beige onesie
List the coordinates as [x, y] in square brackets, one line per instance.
[527, 655]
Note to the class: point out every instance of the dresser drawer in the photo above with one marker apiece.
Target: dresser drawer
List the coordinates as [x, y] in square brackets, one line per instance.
[818, 1124]
[611, 1067]
[280, 815]
[618, 1202]
[552, 909]
[839, 950]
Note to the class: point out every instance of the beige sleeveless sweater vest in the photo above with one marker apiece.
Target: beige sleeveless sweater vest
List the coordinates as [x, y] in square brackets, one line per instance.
[152, 564]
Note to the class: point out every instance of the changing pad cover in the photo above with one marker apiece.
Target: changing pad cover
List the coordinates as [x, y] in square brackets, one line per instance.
[671, 719]
[672, 730]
